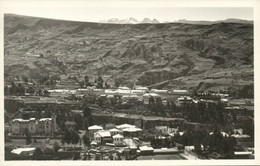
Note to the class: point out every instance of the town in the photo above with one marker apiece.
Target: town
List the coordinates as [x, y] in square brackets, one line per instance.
[98, 121]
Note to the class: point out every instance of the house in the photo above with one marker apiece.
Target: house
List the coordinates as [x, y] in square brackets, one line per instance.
[132, 131]
[238, 131]
[145, 89]
[159, 91]
[124, 88]
[222, 133]
[123, 126]
[115, 131]
[130, 98]
[138, 92]
[162, 129]
[118, 140]
[102, 137]
[93, 129]
[61, 92]
[172, 130]
[224, 101]
[184, 99]
[242, 137]
[132, 144]
[145, 150]
[180, 92]
[148, 96]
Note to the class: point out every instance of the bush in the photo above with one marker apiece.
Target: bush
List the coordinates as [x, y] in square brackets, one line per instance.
[48, 151]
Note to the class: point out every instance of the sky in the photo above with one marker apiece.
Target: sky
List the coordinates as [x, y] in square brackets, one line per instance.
[94, 11]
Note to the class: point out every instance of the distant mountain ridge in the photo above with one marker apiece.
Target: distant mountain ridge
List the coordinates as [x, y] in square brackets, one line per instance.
[229, 20]
[175, 55]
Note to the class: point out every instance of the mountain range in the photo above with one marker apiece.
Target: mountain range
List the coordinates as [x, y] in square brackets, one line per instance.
[130, 20]
[167, 55]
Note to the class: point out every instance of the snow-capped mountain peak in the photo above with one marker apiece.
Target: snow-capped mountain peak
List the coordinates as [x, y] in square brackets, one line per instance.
[130, 20]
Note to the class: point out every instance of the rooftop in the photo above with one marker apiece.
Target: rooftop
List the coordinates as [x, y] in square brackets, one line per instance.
[132, 129]
[104, 133]
[146, 148]
[114, 130]
[124, 126]
[20, 150]
[44, 119]
[95, 127]
[118, 136]
[150, 94]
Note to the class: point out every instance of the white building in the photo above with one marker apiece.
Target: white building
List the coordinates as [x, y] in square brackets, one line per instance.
[159, 91]
[138, 92]
[102, 137]
[93, 129]
[145, 89]
[123, 126]
[43, 126]
[124, 88]
[61, 92]
[118, 140]
[115, 131]
[162, 129]
[180, 92]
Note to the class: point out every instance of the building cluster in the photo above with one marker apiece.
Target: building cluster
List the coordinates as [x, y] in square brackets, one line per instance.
[116, 136]
[127, 95]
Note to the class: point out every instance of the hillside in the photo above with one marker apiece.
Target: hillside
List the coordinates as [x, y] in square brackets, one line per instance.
[168, 55]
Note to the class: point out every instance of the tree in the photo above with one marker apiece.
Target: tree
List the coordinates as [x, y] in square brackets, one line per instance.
[56, 146]
[20, 89]
[197, 146]
[86, 123]
[86, 139]
[87, 112]
[100, 82]
[13, 88]
[116, 84]
[25, 79]
[7, 139]
[46, 93]
[74, 137]
[25, 115]
[79, 121]
[107, 86]
[82, 84]
[224, 146]
[6, 90]
[86, 79]
[27, 137]
[67, 137]
[30, 90]
[41, 55]
[37, 154]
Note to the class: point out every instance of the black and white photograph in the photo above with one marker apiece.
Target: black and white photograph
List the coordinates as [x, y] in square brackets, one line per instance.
[114, 81]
